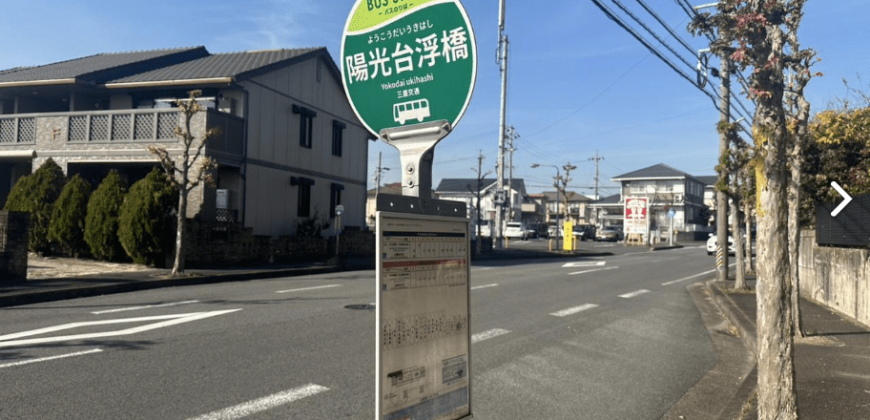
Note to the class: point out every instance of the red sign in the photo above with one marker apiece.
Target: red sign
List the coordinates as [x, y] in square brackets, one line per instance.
[637, 215]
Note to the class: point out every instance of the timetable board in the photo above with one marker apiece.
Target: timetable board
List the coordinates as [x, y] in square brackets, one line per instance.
[423, 333]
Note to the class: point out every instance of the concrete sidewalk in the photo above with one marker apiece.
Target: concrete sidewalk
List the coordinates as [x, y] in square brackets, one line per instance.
[832, 364]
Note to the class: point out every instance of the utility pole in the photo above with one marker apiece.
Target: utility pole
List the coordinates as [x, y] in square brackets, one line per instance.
[502, 61]
[512, 135]
[596, 159]
[378, 171]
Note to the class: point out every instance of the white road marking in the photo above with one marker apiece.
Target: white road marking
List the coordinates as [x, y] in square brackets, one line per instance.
[481, 268]
[634, 294]
[585, 264]
[309, 288]
[486, 335]
[135, 308]
[574, 310]
[484, 286]
[688, 278]
[45, 359]
[262, 404]
[591, 271]
[9, 340]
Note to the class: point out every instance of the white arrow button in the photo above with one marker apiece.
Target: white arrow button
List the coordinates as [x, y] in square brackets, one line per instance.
[846, 199]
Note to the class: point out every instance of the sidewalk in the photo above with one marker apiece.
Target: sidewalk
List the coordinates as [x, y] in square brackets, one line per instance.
[832, 364]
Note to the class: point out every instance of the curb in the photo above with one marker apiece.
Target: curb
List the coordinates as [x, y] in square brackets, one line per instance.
[42, 296]
[665, 248]
[748, 336]
[743, 324]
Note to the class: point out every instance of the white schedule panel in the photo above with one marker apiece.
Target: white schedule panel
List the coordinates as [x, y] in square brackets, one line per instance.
[423, 334]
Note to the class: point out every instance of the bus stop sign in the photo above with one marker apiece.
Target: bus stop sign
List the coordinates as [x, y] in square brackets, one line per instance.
[406, 62]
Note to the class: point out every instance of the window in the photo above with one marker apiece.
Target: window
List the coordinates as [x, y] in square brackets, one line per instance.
[306, 125]
[337, 132]
[303, 185]
[334, 198]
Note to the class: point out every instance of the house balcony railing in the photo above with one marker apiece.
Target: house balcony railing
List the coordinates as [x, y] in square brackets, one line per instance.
[17, 130]
[129, 125]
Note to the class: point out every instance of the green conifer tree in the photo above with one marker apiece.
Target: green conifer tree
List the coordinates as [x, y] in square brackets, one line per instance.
[67, 225]
[145, 220]
[101, 225]
[36, 194]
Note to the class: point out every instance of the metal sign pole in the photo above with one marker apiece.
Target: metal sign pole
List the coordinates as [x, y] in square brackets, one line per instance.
[416, 144]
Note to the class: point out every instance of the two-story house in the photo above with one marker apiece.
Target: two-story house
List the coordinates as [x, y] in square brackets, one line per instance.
[572, 205]
[290, 147]
[667, 188]
[465, 190]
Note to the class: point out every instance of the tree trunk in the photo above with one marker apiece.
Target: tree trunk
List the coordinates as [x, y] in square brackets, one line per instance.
[747, 210]
[740, 275]
[178, 266]
[794, 234]
[777, 399]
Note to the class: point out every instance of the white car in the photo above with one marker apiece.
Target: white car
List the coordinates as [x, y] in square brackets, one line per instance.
[516, 230]
[713, 242]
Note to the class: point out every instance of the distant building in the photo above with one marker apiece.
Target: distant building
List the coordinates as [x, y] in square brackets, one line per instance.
[668, 189]
[710, 194]
[576, 205]
[465, 189]
[608, 211]
[290, 147]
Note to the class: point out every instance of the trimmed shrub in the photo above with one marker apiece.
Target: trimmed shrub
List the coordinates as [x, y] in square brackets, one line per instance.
[67, 226]
[145, 223]
[36, 194]
[101, 224]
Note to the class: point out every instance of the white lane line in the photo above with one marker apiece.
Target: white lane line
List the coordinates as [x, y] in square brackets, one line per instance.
[45, 359]
[486, 335]
[262, 404]
[634, 294]
[574, 310]
[9, 339]
[591, 271]
[688, 278]
[309, 288]
[135, 308]
[585, 264]
[484, 286]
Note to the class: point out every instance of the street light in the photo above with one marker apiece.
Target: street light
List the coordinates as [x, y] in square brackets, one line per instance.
[558, 202]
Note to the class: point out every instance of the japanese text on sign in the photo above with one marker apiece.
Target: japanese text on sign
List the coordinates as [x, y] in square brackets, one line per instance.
[452, 46]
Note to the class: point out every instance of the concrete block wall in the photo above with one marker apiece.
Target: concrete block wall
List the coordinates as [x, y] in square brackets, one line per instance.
[14, 228]
[838, 278]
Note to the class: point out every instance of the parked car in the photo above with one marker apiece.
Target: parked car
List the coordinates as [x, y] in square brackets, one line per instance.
[515, 230]
[609, 233]
[579, 232]
[484, 228]
[713, 242]
[554, 232]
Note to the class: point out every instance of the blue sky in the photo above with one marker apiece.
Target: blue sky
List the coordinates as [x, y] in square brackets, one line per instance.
[578, 83]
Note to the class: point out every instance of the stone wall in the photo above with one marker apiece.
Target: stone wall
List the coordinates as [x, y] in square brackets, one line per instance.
[838, 278]
[14, 228]
[221, 244]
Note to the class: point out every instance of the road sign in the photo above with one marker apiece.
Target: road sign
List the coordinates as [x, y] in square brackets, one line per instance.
[406, 62]
[671, 213]
[636, 215]
[339, 209]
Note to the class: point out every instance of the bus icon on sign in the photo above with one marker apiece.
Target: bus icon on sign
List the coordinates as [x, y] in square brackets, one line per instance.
[405, 111]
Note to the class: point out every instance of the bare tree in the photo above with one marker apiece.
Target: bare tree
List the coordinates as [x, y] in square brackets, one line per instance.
[189, 170]
[561, 183]
[798, 113]
[478, 195]
[757, 28]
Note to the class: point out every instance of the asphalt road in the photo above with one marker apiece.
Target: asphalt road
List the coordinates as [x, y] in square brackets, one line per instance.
[612, 337]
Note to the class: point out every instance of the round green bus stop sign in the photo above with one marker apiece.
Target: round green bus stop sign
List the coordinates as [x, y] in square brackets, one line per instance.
[407, 62]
